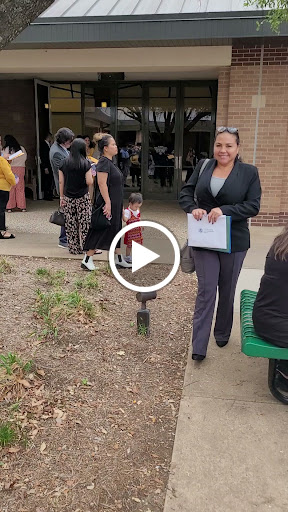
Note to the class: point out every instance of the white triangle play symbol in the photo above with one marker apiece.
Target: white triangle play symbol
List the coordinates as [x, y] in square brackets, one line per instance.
[141, 256]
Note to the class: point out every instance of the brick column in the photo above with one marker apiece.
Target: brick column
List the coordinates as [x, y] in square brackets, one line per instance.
[237, 103]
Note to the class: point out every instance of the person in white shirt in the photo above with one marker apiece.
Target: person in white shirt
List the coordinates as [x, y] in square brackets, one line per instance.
[132, 215]
[17, 193]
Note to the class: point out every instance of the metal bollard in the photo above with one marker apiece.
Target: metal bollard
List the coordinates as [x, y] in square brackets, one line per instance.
[143, 315]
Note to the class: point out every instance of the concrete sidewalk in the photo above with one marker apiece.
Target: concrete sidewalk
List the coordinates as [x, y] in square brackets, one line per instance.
[229, 452]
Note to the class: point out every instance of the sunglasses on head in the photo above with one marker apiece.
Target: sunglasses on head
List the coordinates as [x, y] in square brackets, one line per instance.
[228, 129]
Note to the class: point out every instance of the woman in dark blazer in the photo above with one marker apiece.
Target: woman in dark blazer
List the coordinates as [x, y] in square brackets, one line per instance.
[225, 187]
[270, 313]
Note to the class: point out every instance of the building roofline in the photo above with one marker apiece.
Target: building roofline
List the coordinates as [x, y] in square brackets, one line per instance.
[175, 29]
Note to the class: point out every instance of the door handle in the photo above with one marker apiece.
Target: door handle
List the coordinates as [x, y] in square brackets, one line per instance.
[176, 162]
[180, 162]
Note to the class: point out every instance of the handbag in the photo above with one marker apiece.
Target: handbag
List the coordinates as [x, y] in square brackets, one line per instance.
[187, 262]
[99, 221]
[57, 218]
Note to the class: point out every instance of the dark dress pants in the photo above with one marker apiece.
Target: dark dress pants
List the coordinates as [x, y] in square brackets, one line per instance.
[214, 269]
[4, 198]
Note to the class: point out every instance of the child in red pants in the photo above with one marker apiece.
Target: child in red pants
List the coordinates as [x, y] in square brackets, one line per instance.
[131, 215]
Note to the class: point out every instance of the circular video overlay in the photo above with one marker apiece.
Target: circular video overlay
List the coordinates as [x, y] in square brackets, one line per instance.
[144, 257]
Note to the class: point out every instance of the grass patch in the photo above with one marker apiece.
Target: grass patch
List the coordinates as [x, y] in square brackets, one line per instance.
[8, 435]
[56, 307]
[13, 371]
[142, 330]
[107, 270]
[89, 282]
[5, 266]
[12, 362]
[53, 278]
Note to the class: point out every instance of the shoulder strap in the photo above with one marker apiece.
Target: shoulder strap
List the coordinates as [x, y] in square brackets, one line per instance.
[203, 166]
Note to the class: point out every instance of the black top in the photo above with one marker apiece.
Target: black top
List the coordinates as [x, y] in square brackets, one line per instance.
[270, 313]
[75, 185]
[44, 155]
[239, 198]
[103, 239]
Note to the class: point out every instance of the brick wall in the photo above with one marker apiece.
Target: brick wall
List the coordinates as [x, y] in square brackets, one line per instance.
[18, 115]
[239, 109]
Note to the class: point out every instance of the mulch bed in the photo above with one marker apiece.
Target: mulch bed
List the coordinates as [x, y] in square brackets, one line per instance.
[96, 416]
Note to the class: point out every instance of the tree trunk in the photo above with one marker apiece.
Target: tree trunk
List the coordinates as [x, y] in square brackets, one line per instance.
[15, 15]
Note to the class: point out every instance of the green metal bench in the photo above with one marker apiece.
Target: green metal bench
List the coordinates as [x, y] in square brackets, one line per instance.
[253, 346]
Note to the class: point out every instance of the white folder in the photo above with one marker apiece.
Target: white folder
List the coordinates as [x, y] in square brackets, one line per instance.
[202, 233]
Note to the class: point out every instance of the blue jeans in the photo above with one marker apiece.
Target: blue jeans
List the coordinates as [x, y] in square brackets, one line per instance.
[63, 237]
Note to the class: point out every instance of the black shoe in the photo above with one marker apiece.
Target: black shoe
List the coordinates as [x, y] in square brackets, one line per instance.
[197, 357]
[221, 343]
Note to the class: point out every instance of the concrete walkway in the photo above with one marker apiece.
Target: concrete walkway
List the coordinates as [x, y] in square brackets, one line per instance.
[229, 451]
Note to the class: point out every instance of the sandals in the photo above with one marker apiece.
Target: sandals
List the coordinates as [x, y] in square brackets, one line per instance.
[98, 251]
[3, 237]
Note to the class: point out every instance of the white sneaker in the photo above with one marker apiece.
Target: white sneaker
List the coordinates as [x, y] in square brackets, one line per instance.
[121, 262]
[87, 263]
[128, 259]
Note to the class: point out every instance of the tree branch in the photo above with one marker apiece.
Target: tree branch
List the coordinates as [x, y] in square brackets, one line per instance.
[16, 15]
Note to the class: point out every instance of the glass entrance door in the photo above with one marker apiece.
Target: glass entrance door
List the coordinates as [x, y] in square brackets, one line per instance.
[178, 129]
[158, 162]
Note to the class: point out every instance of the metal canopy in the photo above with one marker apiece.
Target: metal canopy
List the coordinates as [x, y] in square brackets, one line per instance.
[79, 8]
[138, 23]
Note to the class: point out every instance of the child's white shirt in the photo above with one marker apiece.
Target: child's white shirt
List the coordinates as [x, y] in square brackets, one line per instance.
[127, 213]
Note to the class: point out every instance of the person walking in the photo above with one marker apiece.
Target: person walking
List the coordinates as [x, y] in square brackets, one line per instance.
[58, 153]
[17, 193]
[125, 163]
[7, 180]
[46, 169]
[75, 176]
[226, 187]
[109, 189]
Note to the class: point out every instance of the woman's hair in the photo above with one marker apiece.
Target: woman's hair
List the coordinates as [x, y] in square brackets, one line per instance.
[228, 129]
[135, 198]
[77, 157]
[91, 143]
[12, 143]
[280, 245]
[64, 135]
[104, 142]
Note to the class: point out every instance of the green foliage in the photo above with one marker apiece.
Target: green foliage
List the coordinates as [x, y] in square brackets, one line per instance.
[7, 434]
[142, 330]
[11, 361]
[55, 307]
[53, 278]
[5, 266]
[89, 282]
[277, 14]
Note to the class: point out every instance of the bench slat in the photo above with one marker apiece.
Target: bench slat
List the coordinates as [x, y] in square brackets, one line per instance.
[252, 345]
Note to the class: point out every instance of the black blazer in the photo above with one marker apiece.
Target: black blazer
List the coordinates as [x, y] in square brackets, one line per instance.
[270, 313]
[239, 197]
[44, 156]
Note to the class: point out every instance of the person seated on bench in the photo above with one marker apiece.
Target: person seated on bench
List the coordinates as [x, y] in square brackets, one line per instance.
[270, 313]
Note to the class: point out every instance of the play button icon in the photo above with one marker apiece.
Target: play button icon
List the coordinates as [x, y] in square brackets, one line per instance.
[156, 269]
[141, 256]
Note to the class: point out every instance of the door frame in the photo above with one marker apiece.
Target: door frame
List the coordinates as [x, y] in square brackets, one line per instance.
[37, 157]
[179, 127]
